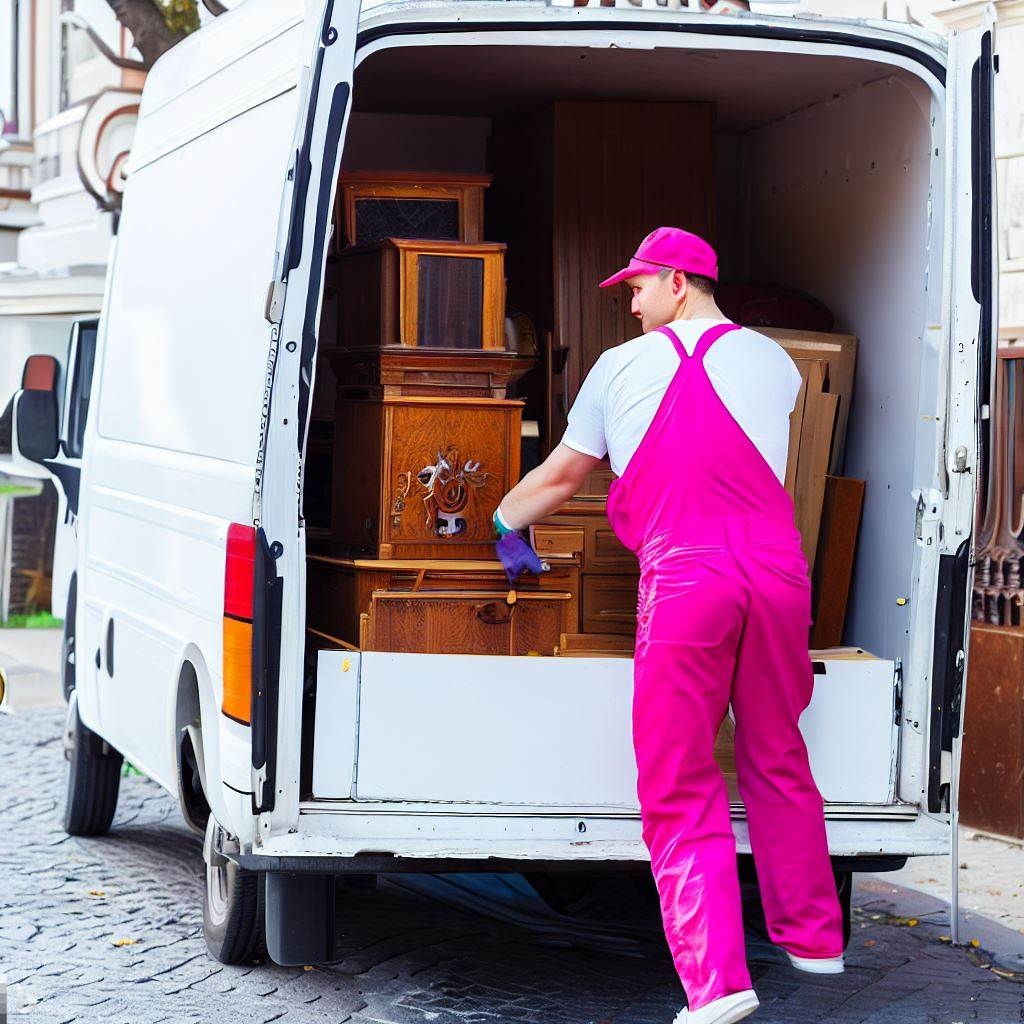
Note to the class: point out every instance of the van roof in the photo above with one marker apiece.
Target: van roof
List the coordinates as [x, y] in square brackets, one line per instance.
[197, 68]
[218, 44]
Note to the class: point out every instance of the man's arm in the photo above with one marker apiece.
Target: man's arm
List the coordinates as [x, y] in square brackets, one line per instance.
[547, 487]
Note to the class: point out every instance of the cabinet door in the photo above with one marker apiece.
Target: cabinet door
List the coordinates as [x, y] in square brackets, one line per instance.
[448, 467]
[609, 604]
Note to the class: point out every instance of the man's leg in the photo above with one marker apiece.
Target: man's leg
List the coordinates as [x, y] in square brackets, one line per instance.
[689, 623]
[771, 688]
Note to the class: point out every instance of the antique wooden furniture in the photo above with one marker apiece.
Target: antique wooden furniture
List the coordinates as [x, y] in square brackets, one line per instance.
[436, 295]
[450, 606]
[572, 211]
[373, 205]
[609, 573]
[420, 477]
[391, 372]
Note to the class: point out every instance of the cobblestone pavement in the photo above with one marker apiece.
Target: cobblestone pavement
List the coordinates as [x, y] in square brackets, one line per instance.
[110, 930]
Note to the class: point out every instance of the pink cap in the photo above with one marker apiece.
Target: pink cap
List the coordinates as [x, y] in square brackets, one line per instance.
[670, 248]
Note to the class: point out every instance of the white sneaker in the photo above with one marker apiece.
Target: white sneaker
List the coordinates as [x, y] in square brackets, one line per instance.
[823, 965]
[727, 1010]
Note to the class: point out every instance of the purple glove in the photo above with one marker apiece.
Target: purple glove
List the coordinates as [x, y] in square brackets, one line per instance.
[517, 556]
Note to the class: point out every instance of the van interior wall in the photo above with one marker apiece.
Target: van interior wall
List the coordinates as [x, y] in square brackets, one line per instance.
[835, 201]
[832, 199]
[416, 142]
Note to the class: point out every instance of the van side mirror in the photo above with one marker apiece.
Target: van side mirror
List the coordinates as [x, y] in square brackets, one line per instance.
[36, 419]
[35, 416]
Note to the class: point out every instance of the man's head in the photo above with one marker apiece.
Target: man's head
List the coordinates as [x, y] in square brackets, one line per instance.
[671, 276]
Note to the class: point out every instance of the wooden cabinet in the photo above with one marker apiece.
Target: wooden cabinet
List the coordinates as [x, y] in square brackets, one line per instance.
[421, 477]
[609, 571]
[423, 294]
[393, 204]
[567, 200]
[440, 607]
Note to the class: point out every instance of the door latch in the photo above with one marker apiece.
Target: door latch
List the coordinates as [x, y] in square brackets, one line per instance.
[960, 460]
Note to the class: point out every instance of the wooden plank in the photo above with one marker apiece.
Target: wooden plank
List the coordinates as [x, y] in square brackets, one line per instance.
[796, 426]
[812, 466]
[833, 568]
[840, 352]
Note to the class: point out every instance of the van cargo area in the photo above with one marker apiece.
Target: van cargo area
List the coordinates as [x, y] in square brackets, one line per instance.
[813, 175]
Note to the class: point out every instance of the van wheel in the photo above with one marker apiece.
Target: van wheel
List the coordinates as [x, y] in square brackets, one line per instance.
[844, 890]
[232, 904]
[94, 777]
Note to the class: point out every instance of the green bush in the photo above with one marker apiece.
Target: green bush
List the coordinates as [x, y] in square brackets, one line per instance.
[38, 620]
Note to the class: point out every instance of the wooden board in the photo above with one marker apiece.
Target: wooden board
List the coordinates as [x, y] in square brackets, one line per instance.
[840, 353]
[833, 567]
[812, 455]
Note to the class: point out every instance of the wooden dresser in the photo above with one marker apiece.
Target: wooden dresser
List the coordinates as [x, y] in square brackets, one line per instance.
[609, 572]
[449, 606]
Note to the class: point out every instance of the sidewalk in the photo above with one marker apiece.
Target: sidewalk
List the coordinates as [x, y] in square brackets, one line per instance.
[30, 659]
[991, 877]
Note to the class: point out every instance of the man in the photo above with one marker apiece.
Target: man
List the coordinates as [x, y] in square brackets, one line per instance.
[694, 416]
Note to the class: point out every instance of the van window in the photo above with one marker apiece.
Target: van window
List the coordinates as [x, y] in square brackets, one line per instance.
[81, 388]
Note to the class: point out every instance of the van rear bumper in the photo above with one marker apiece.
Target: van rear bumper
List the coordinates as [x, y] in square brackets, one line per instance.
[351, 838]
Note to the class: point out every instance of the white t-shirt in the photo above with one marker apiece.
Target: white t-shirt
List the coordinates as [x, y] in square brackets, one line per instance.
[753, 375]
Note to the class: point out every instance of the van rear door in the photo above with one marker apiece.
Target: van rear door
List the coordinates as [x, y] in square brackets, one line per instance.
[293, 308]
[971, 288]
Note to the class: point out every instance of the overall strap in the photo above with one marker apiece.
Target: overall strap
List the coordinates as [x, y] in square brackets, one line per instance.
[710, 336]
[674, 338]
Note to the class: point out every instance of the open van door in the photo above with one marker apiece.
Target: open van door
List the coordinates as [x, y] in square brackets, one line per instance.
[293, 309]
[972, 290]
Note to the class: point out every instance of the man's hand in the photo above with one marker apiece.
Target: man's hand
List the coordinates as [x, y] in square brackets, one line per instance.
[517, 556]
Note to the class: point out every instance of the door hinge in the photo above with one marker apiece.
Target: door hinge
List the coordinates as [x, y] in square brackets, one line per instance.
[275, 301]
[960, 461]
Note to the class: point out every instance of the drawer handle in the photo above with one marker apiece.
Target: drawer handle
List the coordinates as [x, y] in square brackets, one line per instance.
[494, 613]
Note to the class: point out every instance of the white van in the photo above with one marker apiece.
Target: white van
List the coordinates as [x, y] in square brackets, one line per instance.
[857, 163]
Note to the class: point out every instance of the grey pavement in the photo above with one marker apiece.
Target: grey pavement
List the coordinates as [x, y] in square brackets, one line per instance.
[991, 870]
[111, 930]
[30, 660]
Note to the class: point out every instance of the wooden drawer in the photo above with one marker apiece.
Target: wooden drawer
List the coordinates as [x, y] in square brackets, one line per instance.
[609, 604]
[450, 622]
[557, 541]
[606, 552]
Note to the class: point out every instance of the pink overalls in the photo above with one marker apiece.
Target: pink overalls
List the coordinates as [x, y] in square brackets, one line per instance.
[723, 615]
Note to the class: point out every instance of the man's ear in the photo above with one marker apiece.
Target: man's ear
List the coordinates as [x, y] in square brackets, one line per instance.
[678, 282]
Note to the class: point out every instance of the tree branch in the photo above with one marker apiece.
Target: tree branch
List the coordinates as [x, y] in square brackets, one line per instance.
[145, 21]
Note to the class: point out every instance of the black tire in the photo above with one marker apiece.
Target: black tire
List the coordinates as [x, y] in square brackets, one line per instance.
[67, 647]
[844, 890]
[94, 777]
[232, 908]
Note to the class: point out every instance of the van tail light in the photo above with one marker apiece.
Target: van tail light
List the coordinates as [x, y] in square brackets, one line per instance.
[239, 570]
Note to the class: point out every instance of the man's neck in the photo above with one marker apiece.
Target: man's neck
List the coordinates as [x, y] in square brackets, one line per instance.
[705, 310]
